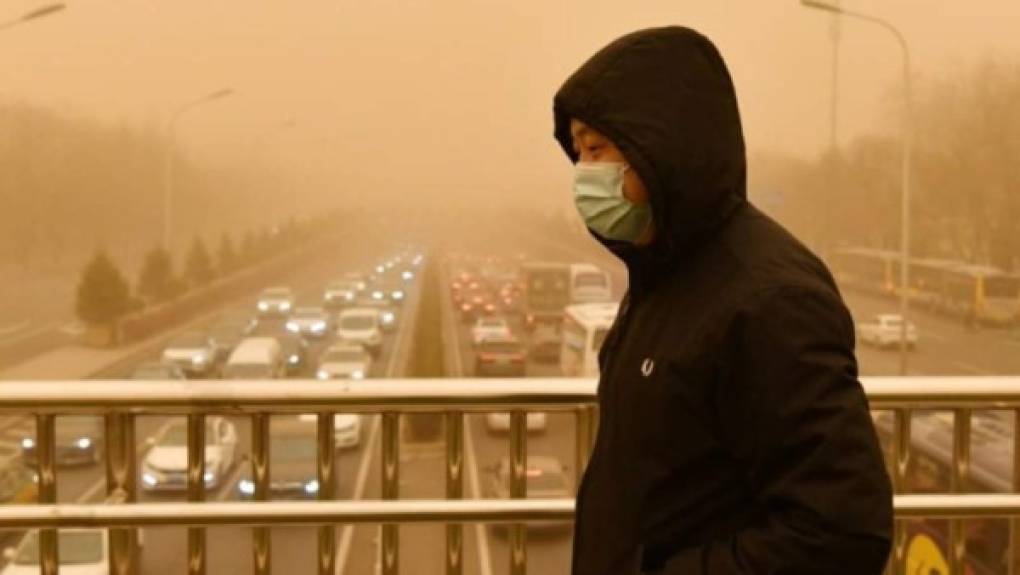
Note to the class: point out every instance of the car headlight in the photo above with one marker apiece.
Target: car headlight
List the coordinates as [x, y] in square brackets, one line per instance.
[246, 486]
[322, 374]
[149, 479]
[312, 486]
[209, 476]
[357, 374]
[388, 317]
[263, 306]
[84, 443]
[377, 295]
[295, 358]
[198, 359]
[408, 276]
[350, 296]
[319, 326]
[28, 443]
[398, 295]
[285, 305]
[379, 269]
[293, 326]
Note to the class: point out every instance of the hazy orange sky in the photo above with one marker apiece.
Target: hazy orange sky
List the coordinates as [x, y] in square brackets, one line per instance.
[393, 98]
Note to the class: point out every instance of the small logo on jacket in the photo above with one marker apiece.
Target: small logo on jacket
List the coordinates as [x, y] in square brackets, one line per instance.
[647, 367]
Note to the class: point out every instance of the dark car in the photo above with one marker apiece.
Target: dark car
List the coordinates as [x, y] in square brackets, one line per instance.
[79, 441]
[294, 350]
[157, 371]
[546, 479]
[504, 357]
[292, 445]
[545, 344]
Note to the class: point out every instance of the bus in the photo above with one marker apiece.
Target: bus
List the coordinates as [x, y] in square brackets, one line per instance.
[589, 284]
[989, 549]
[546, 293]
[585, 327]
[975, 293]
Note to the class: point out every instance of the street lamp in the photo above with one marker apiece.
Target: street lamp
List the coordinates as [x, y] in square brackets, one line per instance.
[168, 173]
[907, 143]
[34, 14]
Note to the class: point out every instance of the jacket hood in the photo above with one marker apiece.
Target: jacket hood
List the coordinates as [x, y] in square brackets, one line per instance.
[666, 100]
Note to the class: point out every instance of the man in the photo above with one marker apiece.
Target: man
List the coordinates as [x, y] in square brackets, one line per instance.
[734, 436]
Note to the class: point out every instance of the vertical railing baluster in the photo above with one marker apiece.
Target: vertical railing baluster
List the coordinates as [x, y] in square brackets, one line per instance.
[1014, 524]
[518, 488]
[196, 490]
[326, 476]
[262, 541]
[959, 484]
[901, 459]
[121, 487]
[390, 489]
[454, 489]
[45, 450]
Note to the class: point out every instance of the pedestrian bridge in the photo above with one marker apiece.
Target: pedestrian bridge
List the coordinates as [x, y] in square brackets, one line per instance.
[939, 515]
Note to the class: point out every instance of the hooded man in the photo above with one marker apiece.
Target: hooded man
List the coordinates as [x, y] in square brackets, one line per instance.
[734, 436]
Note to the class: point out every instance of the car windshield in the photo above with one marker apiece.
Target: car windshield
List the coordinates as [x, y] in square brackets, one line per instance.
[590, 279]
[343, 356]
[292, 446]
[308, 313]
[74, 548]
[492, 322]
[177, 435]
[500, 347]
[276, 294]
[357, 322]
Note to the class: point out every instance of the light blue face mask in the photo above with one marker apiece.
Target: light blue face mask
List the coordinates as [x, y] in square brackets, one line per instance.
[598, 195]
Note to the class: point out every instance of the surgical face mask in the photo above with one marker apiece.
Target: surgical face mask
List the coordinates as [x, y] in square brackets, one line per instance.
[598, 195]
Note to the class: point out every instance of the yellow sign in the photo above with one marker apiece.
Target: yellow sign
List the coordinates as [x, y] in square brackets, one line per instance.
[925, 558]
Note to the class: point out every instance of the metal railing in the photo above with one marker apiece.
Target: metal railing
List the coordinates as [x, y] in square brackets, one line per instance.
[120, 404]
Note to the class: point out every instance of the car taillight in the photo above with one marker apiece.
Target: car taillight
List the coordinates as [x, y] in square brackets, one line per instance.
[490, 307]
[466, 307]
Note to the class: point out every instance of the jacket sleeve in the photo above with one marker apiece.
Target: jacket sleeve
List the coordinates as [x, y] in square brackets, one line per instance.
[796, 419]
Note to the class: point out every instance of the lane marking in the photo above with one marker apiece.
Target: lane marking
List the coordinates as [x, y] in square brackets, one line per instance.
[471, 461]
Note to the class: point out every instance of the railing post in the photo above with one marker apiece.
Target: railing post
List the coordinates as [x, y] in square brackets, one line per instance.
[262, 542]
[959, 481]
[390, 489]
[518, 488]
[901, 457]
[121, 486]
[454, 489]
[326, 471]
[45, 450]
[1014, 524]
[196, 490]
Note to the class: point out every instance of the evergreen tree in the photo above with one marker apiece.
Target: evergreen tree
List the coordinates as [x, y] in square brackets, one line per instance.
[199, 267]
[227, 256]
[156, 282]
[103, 294]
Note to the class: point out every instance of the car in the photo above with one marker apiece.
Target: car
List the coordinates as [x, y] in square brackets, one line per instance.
[361, 325]
[275, 301]
[502, 356]
[293, 450]
[346, 428]
[359, 279]
[393, 290]
[294, 351]
[227, 332]
[546, 479]
[885, 331]
[499, 422]
[165, 465]
[79, 441]
[256, 358]
[18, 483]
[344, 361]
[388, 315]
[545, 344]
[157, 371]
[476, 303]
[82, 552]
[309, 322]
[193, 352]
[494, 327]
[341, 293]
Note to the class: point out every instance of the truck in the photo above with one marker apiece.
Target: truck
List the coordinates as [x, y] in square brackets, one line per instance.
[546, 293]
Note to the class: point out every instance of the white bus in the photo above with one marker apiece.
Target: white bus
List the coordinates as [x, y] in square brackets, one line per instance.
[584, 329]
[589, 284]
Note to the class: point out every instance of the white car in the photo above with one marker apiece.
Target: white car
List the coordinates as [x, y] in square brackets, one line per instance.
[361, 325]
[309, 322]
[342, 292]
[82, 552]
[193, 352]
[388, 317]
[885, 330]
[275, 301]
[346, 428]
[165, 467]
[493, 327]
[344, 361]
[500, 422]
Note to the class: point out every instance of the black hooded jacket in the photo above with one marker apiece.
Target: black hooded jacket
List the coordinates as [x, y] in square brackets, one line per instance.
[734, 436]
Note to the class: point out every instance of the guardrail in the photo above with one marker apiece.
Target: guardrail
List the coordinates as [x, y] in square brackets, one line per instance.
[258, 399]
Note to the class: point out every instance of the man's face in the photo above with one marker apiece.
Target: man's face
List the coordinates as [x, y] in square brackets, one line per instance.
[591, 146]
